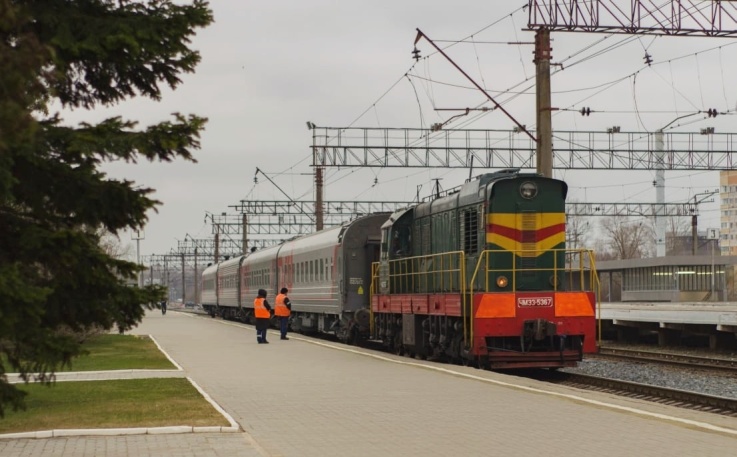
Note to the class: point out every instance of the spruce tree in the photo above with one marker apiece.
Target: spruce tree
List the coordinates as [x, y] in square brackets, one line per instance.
[56, 281]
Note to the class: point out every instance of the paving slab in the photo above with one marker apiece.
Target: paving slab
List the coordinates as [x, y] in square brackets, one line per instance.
[307, 397]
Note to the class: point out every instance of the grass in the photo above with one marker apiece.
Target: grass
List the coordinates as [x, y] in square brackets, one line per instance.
[112, 404]
[120, 352]
[116, 403]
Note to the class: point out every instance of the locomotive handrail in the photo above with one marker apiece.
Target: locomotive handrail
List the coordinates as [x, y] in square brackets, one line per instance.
[372, 291]
[413, 274]
[583, 267]
[597, 292]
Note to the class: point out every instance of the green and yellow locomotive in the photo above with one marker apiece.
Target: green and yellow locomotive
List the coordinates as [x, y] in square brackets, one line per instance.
[482, 275]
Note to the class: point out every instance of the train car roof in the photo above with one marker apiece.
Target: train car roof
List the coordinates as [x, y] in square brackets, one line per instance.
[210, 269]
[229, 262]
[268, 253]
[324, 238]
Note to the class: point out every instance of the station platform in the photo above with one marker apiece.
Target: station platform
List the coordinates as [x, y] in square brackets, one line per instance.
[716, 320]
[308, 397]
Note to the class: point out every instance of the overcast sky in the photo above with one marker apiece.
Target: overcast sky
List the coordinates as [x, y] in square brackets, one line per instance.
[269, 66]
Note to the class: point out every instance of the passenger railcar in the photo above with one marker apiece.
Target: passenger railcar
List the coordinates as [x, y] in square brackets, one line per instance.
[328, 275]
[482, 274]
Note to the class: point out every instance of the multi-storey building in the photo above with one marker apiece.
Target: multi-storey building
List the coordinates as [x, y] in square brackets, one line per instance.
[728, 211]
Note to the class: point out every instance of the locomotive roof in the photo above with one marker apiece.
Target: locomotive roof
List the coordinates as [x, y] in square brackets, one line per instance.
[468, 193]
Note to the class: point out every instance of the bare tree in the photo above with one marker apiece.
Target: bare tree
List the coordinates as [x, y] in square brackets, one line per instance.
[677, 228]
[627, 239]
[578, 231]
[113, 246]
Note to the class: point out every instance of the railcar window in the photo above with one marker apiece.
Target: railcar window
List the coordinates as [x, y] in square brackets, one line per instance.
[322, 270]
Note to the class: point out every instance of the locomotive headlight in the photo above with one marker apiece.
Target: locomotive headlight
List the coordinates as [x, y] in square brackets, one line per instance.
[528, 190]
[502, 281]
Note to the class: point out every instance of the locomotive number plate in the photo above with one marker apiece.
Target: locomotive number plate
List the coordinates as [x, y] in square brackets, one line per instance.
[534, 301]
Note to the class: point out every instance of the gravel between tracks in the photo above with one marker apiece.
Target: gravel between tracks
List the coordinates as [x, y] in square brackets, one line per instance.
[695, 380]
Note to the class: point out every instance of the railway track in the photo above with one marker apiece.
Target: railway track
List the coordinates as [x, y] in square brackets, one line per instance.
[637, 355]
[674, 397]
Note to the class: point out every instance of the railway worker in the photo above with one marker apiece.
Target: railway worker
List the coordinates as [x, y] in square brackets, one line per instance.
[282, 309]
[262, 311]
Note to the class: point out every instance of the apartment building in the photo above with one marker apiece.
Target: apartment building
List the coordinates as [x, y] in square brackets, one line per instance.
[728, 211]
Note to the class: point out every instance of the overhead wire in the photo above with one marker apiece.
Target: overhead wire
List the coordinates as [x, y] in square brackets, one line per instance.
[411, 74]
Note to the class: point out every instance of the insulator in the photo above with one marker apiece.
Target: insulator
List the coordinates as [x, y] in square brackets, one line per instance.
[416, 54]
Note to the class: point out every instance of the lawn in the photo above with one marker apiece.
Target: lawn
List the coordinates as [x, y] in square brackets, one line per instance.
[112, 404]
[116, 403]
[120, 352]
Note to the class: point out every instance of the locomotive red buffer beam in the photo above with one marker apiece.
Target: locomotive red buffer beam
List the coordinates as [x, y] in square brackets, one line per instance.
[533, 329]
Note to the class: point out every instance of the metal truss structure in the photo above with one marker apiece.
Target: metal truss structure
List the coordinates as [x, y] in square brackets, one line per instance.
[289, 217]
[631, 209]
[643, 17]
[499, 149]
[307, 208]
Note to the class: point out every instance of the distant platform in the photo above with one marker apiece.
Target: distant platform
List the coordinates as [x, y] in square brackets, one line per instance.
[717, 320]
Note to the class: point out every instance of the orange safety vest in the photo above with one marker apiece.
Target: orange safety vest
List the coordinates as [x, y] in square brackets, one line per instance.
[281, 309]
[259, 309]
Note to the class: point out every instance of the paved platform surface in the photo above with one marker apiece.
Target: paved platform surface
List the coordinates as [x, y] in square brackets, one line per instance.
[305, 397]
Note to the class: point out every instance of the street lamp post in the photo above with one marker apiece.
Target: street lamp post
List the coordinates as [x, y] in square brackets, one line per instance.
[713, 236]
[138, 235]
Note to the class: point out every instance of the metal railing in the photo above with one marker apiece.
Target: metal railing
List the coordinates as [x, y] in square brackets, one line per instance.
[435, 272]
[576, 263]
[446, 272]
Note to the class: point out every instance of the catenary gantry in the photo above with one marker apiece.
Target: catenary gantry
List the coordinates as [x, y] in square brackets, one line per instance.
[464, 148]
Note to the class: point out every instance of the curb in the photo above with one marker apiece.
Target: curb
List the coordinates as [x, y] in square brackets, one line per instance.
[118, 431]
[172, 429]
[232, 428]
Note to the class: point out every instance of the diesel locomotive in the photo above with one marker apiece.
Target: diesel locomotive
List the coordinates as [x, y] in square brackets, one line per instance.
[478, 275]
[482, 274]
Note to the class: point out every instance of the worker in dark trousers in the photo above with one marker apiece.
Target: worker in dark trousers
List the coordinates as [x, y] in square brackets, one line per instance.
[282, 310]
[262, 311]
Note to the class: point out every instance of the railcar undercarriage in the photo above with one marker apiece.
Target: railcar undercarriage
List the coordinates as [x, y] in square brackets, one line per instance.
[442, 338]
[348, 327]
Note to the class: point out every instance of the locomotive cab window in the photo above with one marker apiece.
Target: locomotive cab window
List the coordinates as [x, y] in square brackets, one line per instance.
[385, 243]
